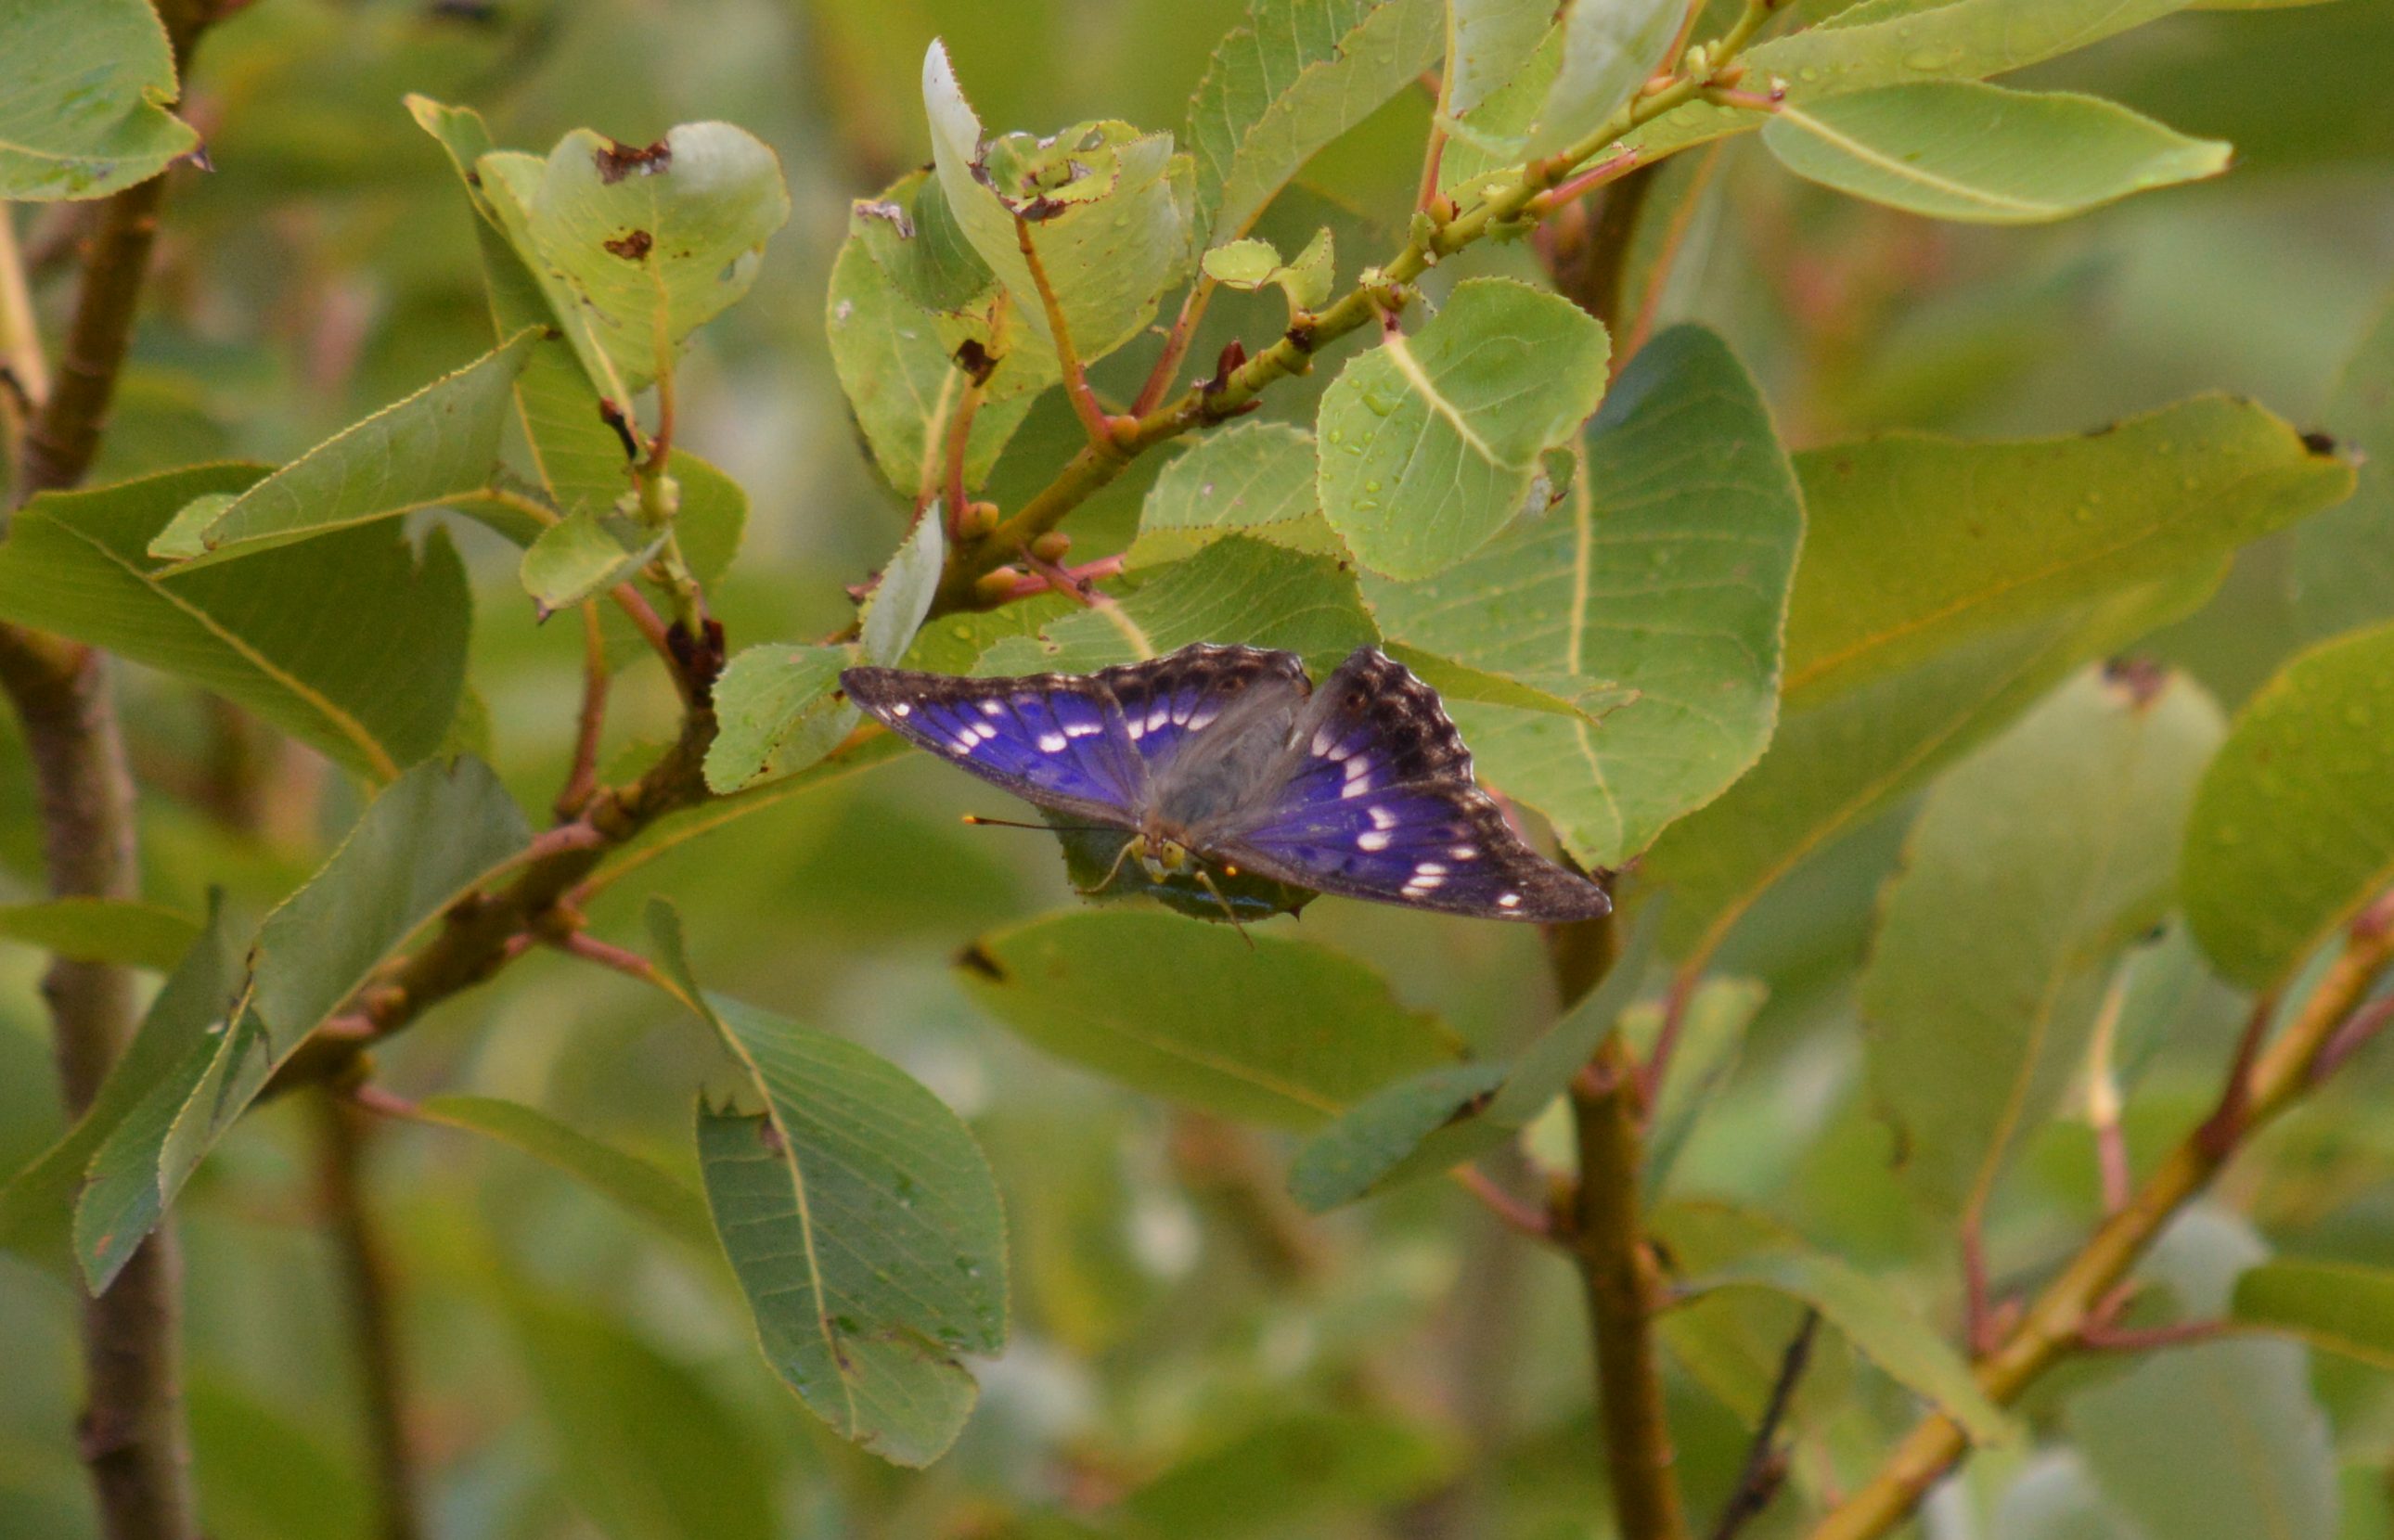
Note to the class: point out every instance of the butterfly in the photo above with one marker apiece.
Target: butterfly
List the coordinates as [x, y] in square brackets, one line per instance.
[1225, 762]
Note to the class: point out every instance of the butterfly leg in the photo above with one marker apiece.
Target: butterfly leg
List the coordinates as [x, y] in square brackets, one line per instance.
[1111, 872]
[1228, 913]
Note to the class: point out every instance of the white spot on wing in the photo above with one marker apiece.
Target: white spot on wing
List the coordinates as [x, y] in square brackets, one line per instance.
[1508, 901]
[902, 709]
[1429, 869]
[1137, 729]
[1357, 769]
[1359, 787]
[1051, 743]
[1465, 852]
[1203, 716]
[1322, 743]
[992, 708]
[1376, 839]
[1082, 729]
[1382, 818]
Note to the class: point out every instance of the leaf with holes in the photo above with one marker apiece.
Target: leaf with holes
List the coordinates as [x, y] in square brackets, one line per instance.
[1430, 443]
[83, 108]
[2033, 863]
[1664, 573]
[1958, 150]
[436, 833]
[1106, 208]
[353, 643]
[637, 247]
[862, 1220]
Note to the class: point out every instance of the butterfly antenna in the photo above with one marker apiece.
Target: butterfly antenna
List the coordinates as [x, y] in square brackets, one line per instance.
[1227, 913]
[978, 822]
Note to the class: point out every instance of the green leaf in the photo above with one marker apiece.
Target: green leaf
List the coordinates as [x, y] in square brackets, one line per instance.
[1873, 46]
[1252, 478]
[776, 705]
[763, 699]
[1885, 1331]
[1917, 542]
[1489, 42]
[1288, 1033]
[862, 1221]
[2344, 558]
[1610, 47]
[37, 1205]
[1106, 207]
[2293, 832]
[1732, 1342]
[579, 460]
[1834, 766]
[902, 382]
[1294, 77]
[2054, 1499]
[269, 1471]
[1430, 443]
[1379, 1134]
[1958, 150]
[1712, 1038]
[375, 692]
[83, 108]
[1234, 590]
[637, 248]
[102, 930]
[1297, 1473]
[2216, 1440]
[1589, 701]
[585, 553]
[2033, 863]
[647, 1449]
[1251, 264]
[1665, 573]
[1494, 136]
[436, 833]
[437, 445]
[2337, 1307]
[637, 1185]
[1445, 1116]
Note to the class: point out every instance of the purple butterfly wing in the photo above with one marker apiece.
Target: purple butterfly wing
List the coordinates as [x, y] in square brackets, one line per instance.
[1055, 740]
[1204, 694]
[1374, 799]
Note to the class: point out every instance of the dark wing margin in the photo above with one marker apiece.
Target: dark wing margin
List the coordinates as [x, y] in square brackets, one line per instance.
[1380, 804]
[1167, 700]
[1055, 740]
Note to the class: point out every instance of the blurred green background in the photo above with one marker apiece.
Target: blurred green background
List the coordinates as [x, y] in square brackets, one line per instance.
[1396, 1370]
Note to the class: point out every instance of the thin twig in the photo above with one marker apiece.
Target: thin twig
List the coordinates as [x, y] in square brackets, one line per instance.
[366, 1276]
[2049, 1330]
[1503, 205]
[581, 779]
[1667, 1038]
[1076, 378]
[1176, 346]
[1515, 1213]
[1765, 1463]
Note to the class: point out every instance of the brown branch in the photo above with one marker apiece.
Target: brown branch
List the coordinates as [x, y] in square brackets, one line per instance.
[485, 932]
[581, 779]
[1506, 205]
[342, 1133]
[2054, 1327]
[132, 1438]
[1765, 1463]
[1623, 1285]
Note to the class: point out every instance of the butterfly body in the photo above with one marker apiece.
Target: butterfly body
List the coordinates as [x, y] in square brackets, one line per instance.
[1219, 763]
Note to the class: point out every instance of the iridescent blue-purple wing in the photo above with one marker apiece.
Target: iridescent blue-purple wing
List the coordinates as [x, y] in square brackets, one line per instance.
[1376, 800]
[1055, 740]
[1205, 700]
